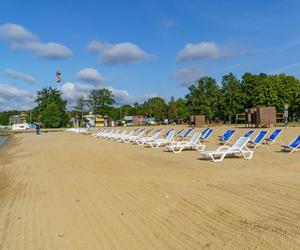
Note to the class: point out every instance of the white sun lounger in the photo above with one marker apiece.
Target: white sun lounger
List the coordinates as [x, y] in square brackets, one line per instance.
[178, 146]
[162, 141]
[116, 136]
[239, 147]
[126, 135]
[133, 137]
[143, 140]
[109, 135]
[100, 132]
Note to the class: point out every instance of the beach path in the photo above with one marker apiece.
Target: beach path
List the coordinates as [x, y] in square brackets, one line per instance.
[66, 191]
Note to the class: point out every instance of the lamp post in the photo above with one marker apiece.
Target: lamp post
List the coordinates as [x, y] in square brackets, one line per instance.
[285, 114]
[58, 78]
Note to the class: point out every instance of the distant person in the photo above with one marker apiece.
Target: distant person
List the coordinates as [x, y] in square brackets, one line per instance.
[37, 128]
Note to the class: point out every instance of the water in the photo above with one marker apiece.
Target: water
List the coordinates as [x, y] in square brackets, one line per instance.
[2, 139]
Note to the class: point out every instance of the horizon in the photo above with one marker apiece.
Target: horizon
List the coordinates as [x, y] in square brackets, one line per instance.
[162, 47]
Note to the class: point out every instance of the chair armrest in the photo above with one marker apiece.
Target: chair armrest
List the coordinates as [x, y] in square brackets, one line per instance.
[223, 147]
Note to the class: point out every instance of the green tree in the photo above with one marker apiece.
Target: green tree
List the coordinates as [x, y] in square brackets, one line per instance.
[156, 107]
[248, 84]
[101, 100]
[232, 101]
[182, 109]
[4, 116]
[203, 98]
[53, 117]
[172, 110]
[49, 102]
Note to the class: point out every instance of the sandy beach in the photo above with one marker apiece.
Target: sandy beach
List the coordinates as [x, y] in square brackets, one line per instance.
[68, 191]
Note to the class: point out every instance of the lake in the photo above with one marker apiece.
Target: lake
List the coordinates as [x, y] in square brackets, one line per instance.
[2, 139]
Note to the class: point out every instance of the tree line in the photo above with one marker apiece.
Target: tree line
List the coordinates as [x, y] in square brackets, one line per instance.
[218, 102]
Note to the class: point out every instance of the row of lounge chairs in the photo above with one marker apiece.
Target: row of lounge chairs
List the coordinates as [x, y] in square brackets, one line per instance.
[178, 141]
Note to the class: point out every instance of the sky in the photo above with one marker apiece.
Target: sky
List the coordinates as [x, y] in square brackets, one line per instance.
[140, 49]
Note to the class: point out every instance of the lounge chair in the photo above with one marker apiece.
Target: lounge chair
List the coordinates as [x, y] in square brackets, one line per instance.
[204, 131]
[169, 131]
[162, 141]
[205, 137]
[239, 147]
[274, 136]
[293, 146]
[186, 134]
[119, 135]
[249, 133]
[225, 138]
[109, 135]
[129, 138]
[258, 139]
[179, 132]
[100, 132]
[120, 138]
[143, 140]
[178, 146]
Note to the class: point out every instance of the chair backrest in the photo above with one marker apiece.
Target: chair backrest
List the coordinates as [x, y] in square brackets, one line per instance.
[275, 134]
[295, 143]
[249, 133]
[170, 130]
[140, 134]
[156, 133]
[186, 134]
[240, 142]
[131, 132]
[179, 131]
[228, 134]
[208, 134]
[196, 136]
[149, 131]
[170, 135]
[204, 132]
[136, 130]
[261, 135]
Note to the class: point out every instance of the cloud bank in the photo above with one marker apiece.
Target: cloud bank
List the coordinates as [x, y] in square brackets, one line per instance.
[20, 38]
[120, 53]
[89, 75]
[19, 76]
[72, 91]
[203, 50]
[13, 98]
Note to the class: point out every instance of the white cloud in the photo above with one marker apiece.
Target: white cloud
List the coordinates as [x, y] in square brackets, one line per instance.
[10, 32]
[169, 23]
[89, 75]
[12, 97]
[73, 91]
[120, 53]
[21, 39]
[203, 50]
[44, 50]
[19, 76]
[186, 76]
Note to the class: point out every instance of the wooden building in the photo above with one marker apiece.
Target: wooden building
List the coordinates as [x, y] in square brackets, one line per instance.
[197, 120]
[260, 117]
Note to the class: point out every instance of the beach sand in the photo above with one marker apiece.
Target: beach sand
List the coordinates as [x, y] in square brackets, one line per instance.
[68, 191]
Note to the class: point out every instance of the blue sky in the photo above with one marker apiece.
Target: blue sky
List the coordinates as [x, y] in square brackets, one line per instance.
[142, 48]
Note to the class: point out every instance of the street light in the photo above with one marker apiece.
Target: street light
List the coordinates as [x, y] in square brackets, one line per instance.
[286, 114]
[58, 78]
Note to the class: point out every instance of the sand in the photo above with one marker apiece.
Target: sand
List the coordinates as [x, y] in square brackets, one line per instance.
[68, 191]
